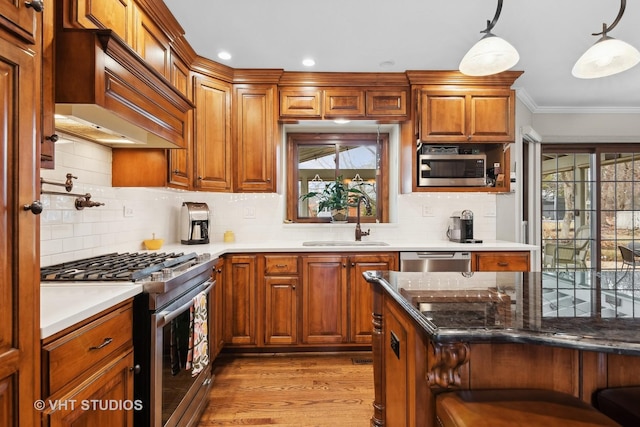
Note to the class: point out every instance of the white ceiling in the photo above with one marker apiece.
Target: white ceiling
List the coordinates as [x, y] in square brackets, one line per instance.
[359, 35]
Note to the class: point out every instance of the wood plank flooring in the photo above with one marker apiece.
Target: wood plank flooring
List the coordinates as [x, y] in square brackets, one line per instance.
[294, 390]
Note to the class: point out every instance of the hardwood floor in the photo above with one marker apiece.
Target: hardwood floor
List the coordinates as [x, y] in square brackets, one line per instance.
[295, 390]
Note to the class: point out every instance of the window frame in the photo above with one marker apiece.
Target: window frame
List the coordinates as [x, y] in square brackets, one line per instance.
[297, 139]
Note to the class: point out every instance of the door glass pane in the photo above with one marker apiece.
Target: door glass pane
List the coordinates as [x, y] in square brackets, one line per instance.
[567, 235]
[620, 234]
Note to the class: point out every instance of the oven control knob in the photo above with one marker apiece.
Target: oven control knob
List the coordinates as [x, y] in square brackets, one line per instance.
[156, 275]
[167, 273]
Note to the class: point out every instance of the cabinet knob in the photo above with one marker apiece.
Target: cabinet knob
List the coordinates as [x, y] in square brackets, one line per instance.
[52, 138]
[37, 5]
[176, 171]
[135, 369]
[353, 264]
[293, 287]
[468, 137]
[200, 178]
[35, 207]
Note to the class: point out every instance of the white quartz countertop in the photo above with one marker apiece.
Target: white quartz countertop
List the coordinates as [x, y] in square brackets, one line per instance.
[218, 248]
[63, 305]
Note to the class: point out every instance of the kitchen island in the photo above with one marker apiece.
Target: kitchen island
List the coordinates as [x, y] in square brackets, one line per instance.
[436, 332]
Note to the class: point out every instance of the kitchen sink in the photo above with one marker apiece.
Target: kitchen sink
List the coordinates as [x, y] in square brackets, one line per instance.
[343, 243]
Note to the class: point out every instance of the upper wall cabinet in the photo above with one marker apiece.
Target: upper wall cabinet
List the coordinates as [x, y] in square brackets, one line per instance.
[114, 15]
[151, 43]
[343, 102]
[467, 115]
[255, 131]
[212, 134]
[20, 20]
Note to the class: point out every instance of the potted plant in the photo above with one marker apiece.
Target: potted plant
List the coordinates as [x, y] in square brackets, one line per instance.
[335, 197]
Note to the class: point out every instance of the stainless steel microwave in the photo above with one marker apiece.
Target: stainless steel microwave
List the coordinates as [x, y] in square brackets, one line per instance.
[452, 170]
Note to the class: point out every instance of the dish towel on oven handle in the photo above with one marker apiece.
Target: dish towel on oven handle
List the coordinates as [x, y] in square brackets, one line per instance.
[198, 356]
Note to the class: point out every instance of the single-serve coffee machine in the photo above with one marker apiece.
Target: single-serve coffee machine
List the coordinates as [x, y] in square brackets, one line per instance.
[194, 220]
[461, 228]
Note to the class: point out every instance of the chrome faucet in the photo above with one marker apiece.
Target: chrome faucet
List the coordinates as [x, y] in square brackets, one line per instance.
[367, 204]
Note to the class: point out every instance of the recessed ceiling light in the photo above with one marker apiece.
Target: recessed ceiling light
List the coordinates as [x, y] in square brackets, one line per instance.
[224, 55]
[308, 62]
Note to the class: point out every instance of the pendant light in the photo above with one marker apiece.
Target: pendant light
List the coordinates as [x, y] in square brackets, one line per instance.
[491, 54]
[607, 56]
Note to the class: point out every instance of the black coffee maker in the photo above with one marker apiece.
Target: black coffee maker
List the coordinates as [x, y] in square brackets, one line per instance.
[466, 225]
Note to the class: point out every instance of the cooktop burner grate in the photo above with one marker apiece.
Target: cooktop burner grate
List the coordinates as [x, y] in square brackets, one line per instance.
[113, 267]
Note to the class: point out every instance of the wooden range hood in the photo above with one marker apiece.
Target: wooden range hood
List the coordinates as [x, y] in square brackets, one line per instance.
[104, 92]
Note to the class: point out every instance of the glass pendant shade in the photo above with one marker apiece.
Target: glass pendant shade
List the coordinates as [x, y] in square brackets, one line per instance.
[606, 57]
[490, 55]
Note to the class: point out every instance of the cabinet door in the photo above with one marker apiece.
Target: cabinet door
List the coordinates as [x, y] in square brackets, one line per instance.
[443, 116]
[19, 235]
[113, 383]
[280, 310]
[491, 116]
[216, 319]
[343, 103]
[360, 295]
[180, 170]
[212, 134]
[240, 300]
[21, 20]
[386, 103]
[115, 15]
[151, 43]
[300, 103]
[255, 138]
[324, 299]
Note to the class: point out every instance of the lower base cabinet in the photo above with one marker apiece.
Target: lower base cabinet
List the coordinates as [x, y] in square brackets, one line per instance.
[300, 299]
[87, 372]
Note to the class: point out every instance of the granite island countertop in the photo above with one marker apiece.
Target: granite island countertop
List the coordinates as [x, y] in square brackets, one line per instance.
[502, 307]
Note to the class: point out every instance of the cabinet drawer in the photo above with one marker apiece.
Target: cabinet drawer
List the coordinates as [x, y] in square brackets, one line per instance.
[81, 350]
[279, 264]
[501, 261]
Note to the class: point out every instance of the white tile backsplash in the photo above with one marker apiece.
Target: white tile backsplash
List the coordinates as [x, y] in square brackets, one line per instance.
[67, 233]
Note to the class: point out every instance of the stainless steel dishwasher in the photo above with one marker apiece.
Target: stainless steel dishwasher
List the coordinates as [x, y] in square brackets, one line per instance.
[435, 261]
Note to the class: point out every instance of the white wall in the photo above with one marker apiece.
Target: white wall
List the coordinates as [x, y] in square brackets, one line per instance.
[68, 234]
[587, 127]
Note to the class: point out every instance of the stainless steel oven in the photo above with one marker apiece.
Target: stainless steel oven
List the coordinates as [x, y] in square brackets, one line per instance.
[173, 369]
[177, 396]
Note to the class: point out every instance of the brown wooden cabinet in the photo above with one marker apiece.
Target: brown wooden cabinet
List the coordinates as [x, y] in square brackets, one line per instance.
[387, 103]
[467, 115]
[151, 43]
[360, 298]
[216, 320]
[240, 300]
[20, 67]
[300, 103]
[324, 299]
[348, 103]
[255, 138]
[281, 277]
[180, 160]
[500, 261]
[90, 362]
[212, 134]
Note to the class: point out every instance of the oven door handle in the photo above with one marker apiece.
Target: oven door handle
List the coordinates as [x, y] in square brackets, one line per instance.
[167, 316]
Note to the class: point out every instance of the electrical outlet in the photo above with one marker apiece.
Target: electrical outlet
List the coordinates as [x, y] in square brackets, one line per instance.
[128, 211]
[249, 212]
[427, 210]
